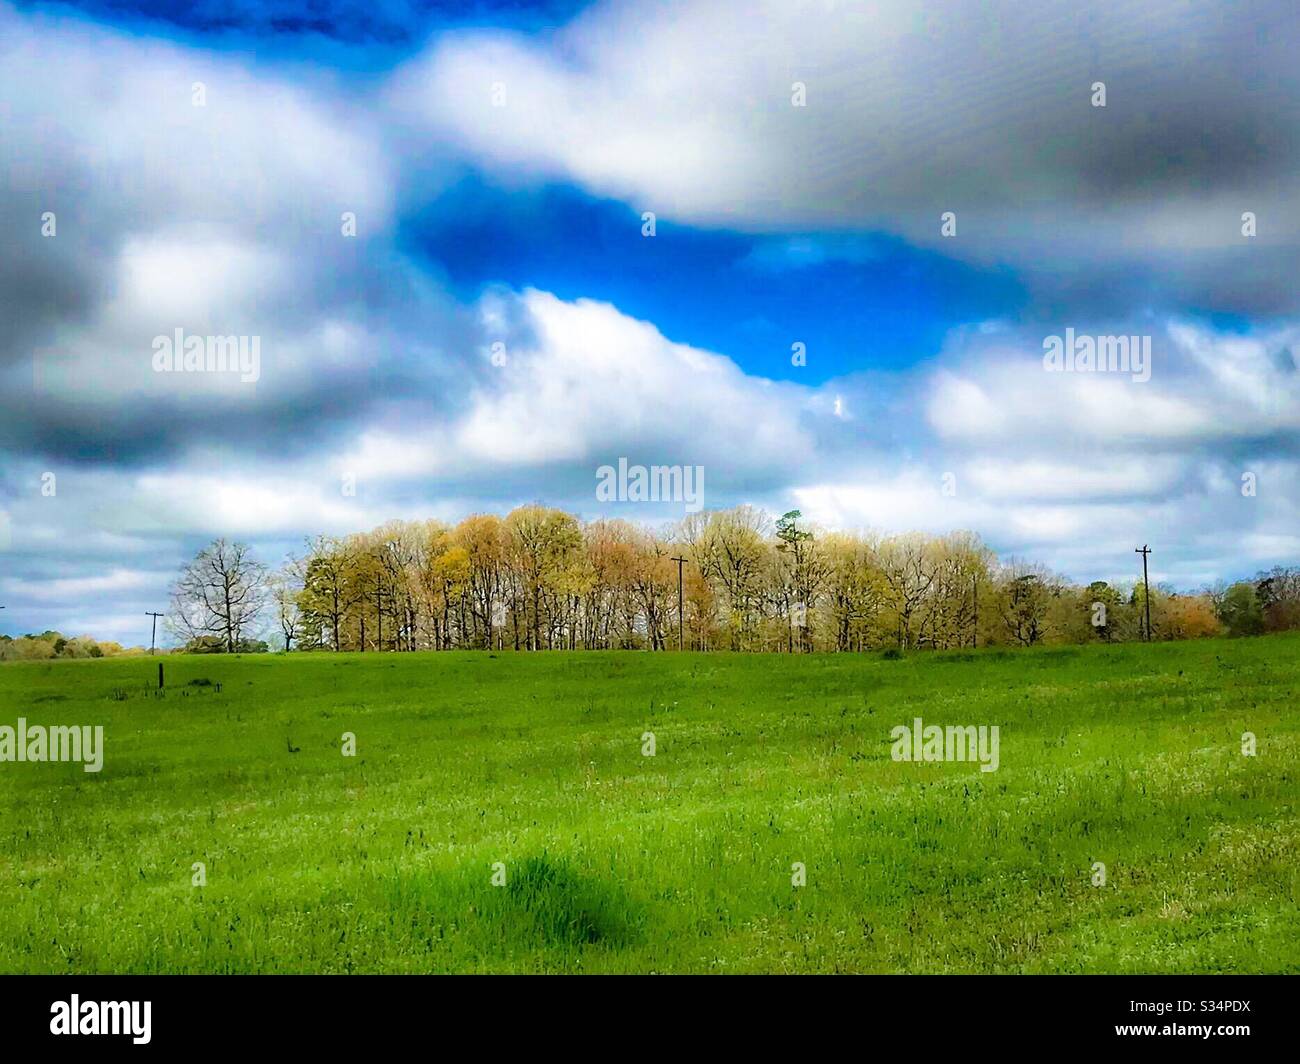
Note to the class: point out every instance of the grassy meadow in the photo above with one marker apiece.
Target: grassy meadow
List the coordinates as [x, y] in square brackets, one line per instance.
[681, 862]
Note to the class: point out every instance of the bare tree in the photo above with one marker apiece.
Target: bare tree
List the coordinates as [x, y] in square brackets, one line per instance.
[328, 594]
[219, 594]
[732, 551]
[907, 564]
[1025, 601]
[286, 589]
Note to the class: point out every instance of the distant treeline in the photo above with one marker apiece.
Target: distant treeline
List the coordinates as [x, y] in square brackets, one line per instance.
[49, 645]
[540, 579]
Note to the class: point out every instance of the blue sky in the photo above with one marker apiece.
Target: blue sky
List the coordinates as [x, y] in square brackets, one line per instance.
[302, 27]
[855, 301]
[800, 160]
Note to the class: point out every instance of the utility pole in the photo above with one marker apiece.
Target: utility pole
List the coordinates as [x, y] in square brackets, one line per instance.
[681, 629]
[975, 623]
[1144, 550]
[153, 639]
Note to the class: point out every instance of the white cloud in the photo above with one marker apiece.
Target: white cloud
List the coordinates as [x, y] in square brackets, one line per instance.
[583, 382]
[112, 117]
[184, 276]
[1205, 386]
[1074, 479]
[253, 503]
[913, 109]
[222, 219]
[114, 582]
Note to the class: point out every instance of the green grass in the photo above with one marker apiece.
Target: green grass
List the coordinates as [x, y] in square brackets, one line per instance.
[679, 862]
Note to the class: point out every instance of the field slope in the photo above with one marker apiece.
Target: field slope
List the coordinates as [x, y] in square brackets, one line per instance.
[681, 862]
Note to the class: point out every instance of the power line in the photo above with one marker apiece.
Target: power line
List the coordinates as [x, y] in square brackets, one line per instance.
[153, 638]
[681, 630]
[1144, 550]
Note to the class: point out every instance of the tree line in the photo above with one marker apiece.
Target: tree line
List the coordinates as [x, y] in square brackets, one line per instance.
[541, 579]
[49, 645]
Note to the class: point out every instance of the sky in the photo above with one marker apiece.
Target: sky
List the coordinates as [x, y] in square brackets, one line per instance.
[869, 220]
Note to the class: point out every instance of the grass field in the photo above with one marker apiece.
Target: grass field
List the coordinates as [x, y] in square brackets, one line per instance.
[680, 862]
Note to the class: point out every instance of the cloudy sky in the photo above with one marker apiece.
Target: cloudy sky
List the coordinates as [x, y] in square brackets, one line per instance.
[198, 171]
